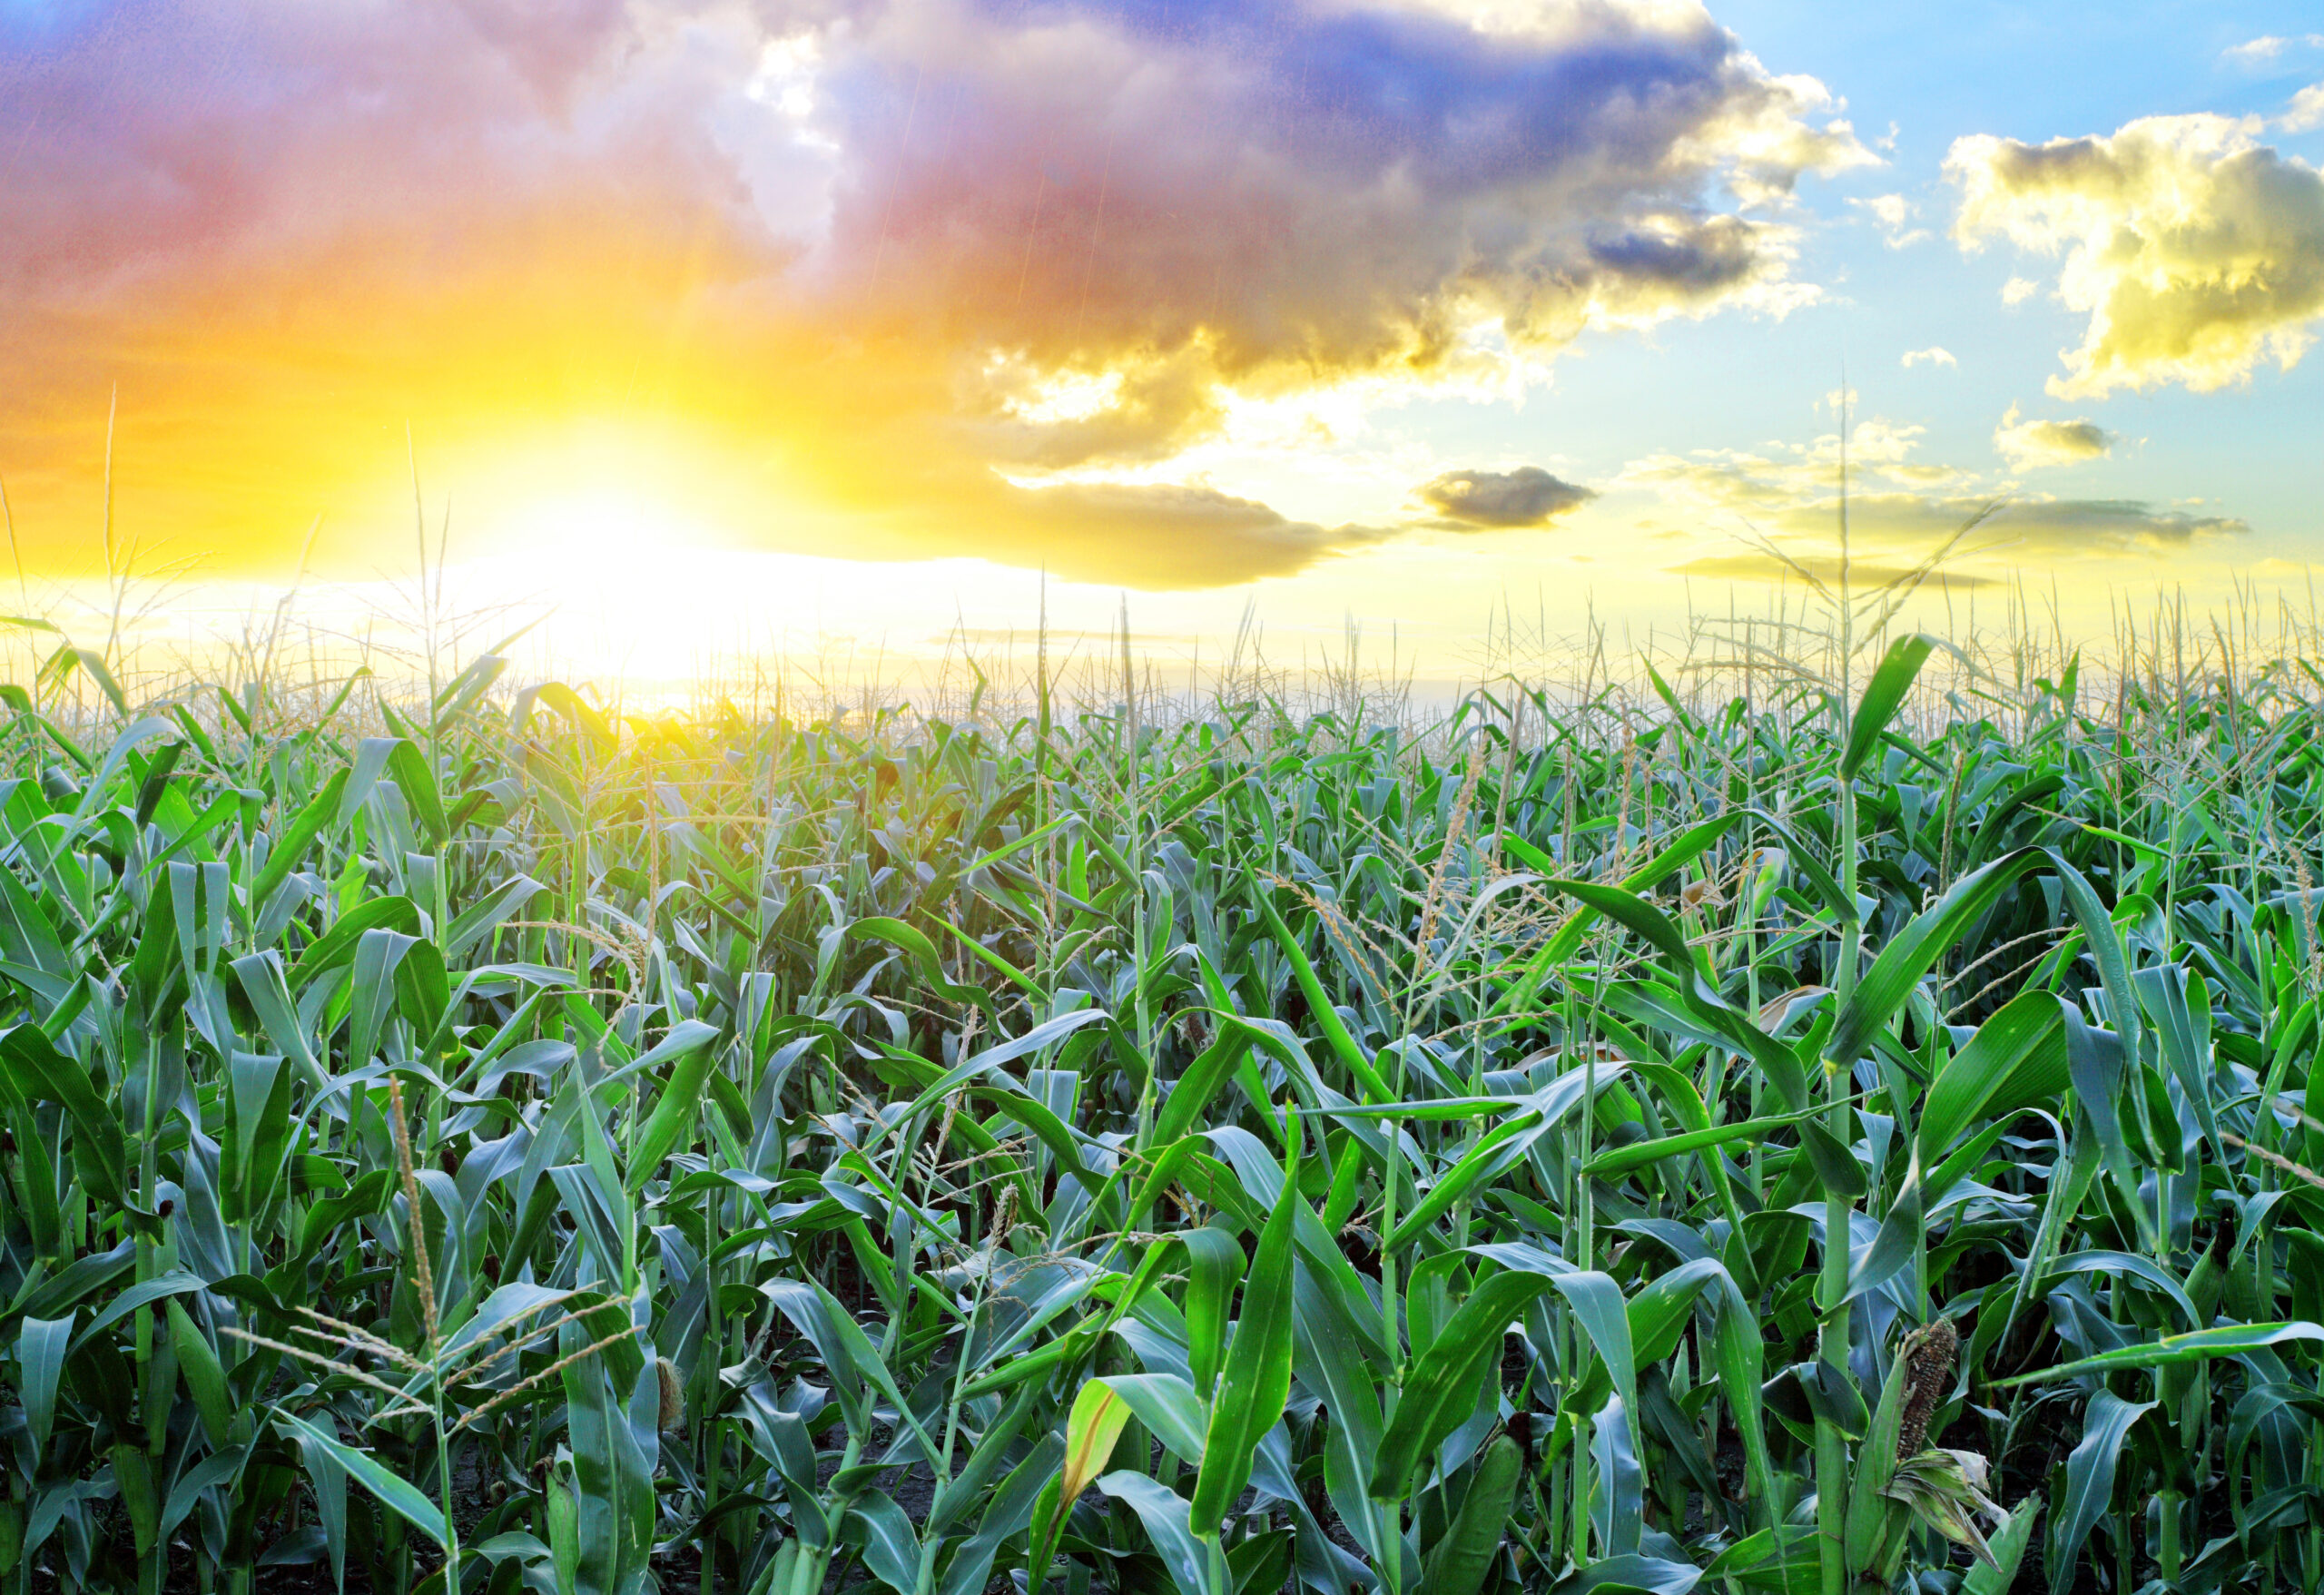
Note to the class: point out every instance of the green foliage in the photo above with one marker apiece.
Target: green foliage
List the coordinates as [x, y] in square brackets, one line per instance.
[501, 1142]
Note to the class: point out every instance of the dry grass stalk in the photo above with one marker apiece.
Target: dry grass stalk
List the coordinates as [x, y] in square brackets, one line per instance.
[418, 1218]
[2275, 1159]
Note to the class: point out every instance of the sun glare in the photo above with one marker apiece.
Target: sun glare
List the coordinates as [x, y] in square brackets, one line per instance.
[595, 541]
[626, 579]
[594, 508]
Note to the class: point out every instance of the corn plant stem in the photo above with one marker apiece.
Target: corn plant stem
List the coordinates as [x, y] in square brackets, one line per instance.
[1391, 1303]
[1133, 793]
[807, 1575]
[2311, 1544]
[1585, 1128]
[1391, 1328]
[444, 1481]
[1475, 1132]
[960, 1373]
[1580, 1247]
[156, 1560]
[712, 1352]
[1831, 1444]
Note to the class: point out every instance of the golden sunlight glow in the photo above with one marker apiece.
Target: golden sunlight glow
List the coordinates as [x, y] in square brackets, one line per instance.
[588, 499]
[704, 332]
[595, 541]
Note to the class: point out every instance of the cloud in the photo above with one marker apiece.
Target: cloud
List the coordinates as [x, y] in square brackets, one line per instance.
[2259, 52]
[1787, 476]
[1933, 355]
[2305, 112]
[2018, 290]
[2196, 252]
[1059, 638]
[1284, 192]
[1894, 213]
[2031, 444]
[2019, 528]
[1173, 535]
[870, 255]
[1900, 508]
[1495, 500]
[1825, 568]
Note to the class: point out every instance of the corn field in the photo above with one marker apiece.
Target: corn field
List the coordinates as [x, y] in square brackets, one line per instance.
[492, 1141]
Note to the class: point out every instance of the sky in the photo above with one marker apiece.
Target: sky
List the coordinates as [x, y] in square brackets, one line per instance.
[886, 320]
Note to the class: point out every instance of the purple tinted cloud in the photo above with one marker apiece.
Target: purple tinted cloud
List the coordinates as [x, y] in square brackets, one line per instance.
[860, 210]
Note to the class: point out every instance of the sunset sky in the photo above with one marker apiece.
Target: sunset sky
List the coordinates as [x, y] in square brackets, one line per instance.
[850, 316]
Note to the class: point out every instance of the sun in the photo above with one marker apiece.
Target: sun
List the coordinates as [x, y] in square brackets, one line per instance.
[598, 542]
[586, 508]
[624, 583]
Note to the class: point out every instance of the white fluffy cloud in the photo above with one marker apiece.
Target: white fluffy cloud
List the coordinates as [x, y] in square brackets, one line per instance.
[2264, 49]
[1934, 355]
[1894, 213]
[2196, 252]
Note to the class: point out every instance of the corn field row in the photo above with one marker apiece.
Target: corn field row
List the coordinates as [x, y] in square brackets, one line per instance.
[494, 1142]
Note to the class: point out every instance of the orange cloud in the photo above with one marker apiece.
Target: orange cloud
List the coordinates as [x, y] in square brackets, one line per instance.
[843, 263]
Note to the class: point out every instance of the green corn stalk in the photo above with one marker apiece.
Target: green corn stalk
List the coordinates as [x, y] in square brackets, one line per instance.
[879, 1087]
